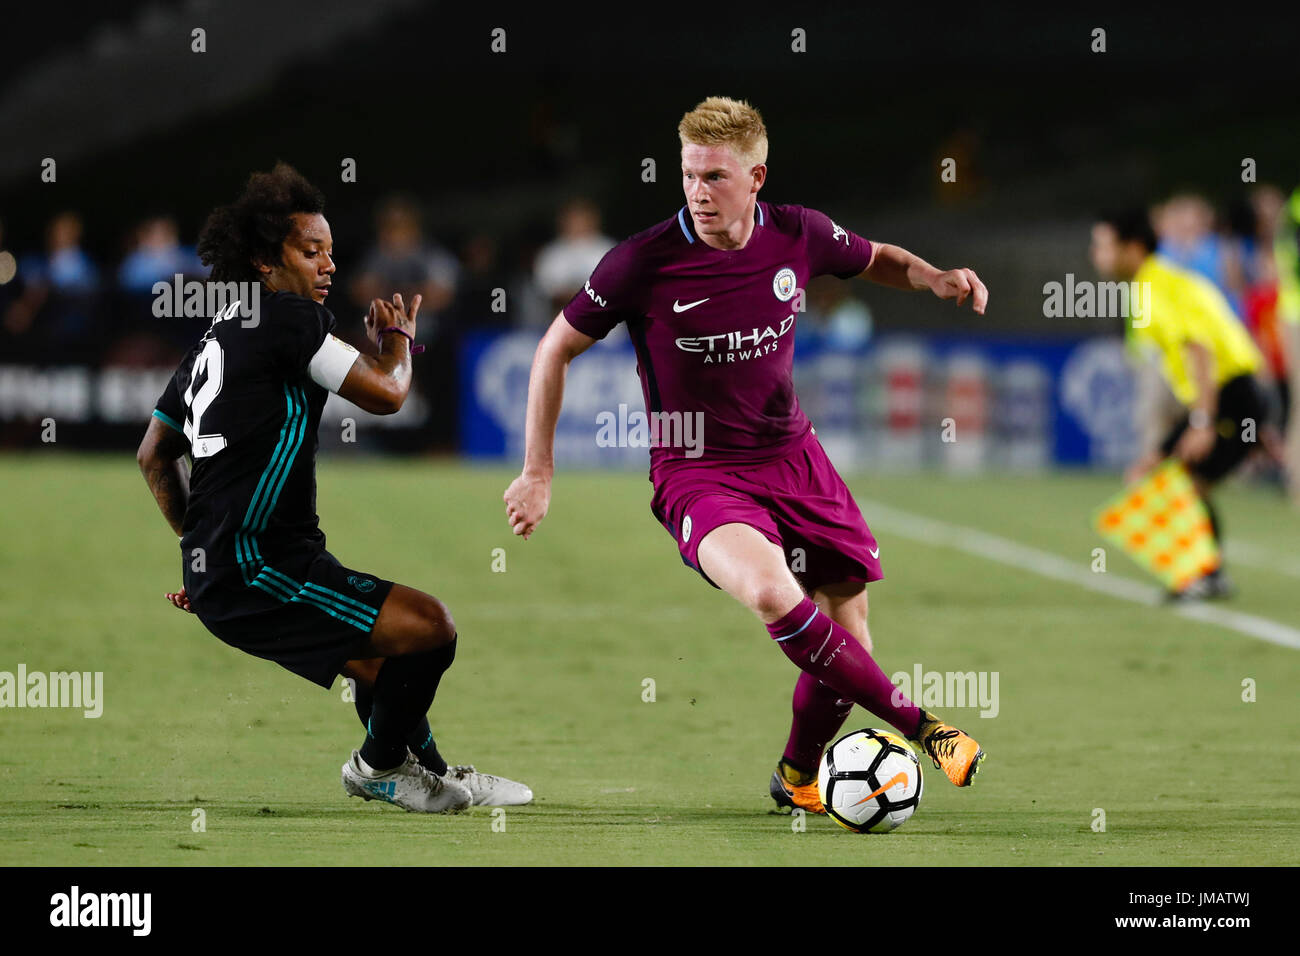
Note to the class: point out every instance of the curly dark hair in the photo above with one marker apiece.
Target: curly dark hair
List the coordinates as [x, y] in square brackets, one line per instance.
[254, 227]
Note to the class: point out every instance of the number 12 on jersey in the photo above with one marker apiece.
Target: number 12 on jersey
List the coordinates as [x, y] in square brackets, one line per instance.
[207, 376]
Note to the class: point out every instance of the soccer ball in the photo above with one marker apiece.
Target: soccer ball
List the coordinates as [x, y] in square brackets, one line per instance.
[870, 781]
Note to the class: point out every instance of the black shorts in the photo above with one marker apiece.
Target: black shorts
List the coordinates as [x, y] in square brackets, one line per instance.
[1241, 401]
[308, 614]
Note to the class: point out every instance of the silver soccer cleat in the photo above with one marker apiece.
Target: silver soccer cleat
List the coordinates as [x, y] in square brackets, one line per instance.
[489, 790]
[409, 786]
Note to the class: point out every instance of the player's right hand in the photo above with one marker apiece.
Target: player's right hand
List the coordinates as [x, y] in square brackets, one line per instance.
[181, 600]
[527, 500]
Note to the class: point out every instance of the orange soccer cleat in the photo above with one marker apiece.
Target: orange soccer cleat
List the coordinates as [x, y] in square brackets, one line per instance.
[953, 751]
[790, 788]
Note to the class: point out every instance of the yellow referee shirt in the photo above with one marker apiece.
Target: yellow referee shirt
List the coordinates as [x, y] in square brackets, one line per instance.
[1287, 256]
[1185, 307]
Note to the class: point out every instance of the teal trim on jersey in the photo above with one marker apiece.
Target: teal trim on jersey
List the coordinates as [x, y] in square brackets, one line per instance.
[242, 552]
[286, 465]
[271, 483]
[286, 590]
[267, 493]
[166, 419]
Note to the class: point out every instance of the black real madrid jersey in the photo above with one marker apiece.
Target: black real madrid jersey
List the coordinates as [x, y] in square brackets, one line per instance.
[245, 401]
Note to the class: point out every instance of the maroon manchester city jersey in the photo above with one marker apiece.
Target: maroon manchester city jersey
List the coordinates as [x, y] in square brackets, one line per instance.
[714, 328]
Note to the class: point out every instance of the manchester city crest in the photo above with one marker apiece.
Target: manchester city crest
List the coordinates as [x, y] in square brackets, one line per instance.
[783, 284]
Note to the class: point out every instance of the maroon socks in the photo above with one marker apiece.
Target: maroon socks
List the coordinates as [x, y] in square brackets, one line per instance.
[819, 713]
[828, 653]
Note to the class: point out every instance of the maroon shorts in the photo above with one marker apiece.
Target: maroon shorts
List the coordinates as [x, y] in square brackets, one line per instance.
[799, 503]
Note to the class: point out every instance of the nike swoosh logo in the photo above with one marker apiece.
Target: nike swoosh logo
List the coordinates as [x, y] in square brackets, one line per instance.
[813, 659]
[900, 777]
[678, 307]
[875, 553]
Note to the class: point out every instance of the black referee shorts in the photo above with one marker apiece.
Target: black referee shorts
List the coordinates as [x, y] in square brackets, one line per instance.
[1241, 401]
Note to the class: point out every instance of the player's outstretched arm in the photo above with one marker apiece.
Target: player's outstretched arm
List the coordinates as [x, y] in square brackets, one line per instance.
[379, 384]
[529, 495]
[900, 269]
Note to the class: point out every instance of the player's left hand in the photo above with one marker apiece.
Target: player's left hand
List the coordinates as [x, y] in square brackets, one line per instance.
[181, 600]
[383, 314]
[1195, 443]
[961, 284]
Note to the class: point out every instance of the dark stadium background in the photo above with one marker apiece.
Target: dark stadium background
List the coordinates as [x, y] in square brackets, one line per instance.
[1046, 132]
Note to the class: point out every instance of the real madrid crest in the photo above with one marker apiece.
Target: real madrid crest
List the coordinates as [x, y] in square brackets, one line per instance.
[783, 284]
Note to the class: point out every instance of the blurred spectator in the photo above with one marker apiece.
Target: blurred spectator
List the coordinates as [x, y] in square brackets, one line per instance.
[565, 263]
[1286, 252]
[1253, 221]
[157, 256]
[480, 276]
[403, 261]
[58, 297]
[1184, 226]
[154, 254]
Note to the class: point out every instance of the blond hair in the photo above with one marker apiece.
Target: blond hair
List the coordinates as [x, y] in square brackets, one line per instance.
[722, 121]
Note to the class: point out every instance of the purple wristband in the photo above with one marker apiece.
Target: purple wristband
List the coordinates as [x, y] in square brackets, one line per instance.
[415, 349]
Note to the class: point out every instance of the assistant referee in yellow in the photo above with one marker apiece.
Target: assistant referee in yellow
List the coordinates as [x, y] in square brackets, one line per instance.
[1205, 355]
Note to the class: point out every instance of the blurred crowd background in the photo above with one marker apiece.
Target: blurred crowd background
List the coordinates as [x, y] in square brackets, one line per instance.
[492, 180]
[67, 301]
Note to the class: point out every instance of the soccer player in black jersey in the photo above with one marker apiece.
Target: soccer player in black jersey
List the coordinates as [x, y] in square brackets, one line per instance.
[245, 405]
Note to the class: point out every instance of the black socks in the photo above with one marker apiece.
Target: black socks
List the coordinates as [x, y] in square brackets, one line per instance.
[395, 709]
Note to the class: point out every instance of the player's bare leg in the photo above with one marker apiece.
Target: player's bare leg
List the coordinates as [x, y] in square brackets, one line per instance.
[414, 620]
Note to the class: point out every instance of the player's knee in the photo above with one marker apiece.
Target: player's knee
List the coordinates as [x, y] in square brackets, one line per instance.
[438, 622]
[771, 599]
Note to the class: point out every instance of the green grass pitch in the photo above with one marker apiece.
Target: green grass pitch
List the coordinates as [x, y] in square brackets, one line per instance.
[1103, 703]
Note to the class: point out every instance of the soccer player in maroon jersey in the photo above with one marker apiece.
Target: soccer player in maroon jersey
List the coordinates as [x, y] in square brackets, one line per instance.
[708, 298]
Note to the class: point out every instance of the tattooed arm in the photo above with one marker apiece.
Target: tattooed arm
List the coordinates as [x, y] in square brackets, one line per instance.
[161, 460]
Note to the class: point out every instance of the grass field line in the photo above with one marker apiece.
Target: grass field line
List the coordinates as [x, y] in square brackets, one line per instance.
[993, 547]
[1244, 552]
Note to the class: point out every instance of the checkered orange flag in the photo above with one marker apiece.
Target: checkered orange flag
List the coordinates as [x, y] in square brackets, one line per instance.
[1162, 524]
